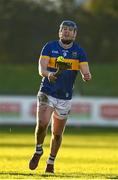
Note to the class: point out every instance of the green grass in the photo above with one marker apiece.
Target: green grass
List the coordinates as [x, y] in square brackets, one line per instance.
[19, 79]
[24, 79]
[103, 83]
[86, 153]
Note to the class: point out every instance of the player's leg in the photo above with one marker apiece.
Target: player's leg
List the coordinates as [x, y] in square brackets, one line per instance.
[44, 112]
[43, 118]
[60, 115]
[44, 115]
[58, 126]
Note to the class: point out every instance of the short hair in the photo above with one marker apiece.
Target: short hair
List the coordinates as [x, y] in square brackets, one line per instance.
[68, 23]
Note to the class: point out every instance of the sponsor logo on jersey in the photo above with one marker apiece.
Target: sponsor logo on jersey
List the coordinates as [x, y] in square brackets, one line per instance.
[55, 52]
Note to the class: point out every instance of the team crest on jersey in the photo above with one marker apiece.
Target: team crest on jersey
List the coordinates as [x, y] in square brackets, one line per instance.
[74, 54]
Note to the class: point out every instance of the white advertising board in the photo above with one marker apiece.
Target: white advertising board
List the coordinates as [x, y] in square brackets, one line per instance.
[85, 111]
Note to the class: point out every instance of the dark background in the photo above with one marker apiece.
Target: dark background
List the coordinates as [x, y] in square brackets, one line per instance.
[25, 26]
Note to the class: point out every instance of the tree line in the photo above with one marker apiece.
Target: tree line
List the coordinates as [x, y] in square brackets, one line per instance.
[26, 26]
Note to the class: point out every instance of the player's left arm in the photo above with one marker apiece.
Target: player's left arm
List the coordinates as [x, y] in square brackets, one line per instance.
[84, 66]
[85, 71]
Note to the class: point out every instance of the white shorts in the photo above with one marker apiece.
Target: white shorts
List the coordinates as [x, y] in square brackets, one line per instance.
[61, 107]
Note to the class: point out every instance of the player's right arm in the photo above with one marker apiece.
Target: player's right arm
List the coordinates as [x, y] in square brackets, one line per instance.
[43, 64]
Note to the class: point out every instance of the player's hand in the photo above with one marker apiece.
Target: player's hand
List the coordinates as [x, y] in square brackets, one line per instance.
[61, 65]
[51, 77]
[86, 77]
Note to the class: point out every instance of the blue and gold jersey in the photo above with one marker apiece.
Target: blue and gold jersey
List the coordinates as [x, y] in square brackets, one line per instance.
[63, 87]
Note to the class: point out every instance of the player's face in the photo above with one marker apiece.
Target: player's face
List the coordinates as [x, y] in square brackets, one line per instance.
[67, 34]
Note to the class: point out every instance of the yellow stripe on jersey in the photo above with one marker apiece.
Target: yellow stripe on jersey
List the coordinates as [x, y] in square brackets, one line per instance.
[74, 63]
[83, 63]
[45, 57]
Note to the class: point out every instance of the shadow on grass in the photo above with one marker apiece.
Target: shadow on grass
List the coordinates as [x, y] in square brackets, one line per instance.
[16, 174]
[24, 129]
[62, 175]
[17, 145]
[82, 175]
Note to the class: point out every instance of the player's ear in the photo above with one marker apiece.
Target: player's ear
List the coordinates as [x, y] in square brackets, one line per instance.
[59, 33]
[75, 34]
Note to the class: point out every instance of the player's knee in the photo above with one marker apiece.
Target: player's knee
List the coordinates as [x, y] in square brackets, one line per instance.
[41, 128]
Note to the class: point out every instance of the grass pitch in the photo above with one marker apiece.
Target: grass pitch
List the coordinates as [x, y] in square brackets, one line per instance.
[86, 153]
